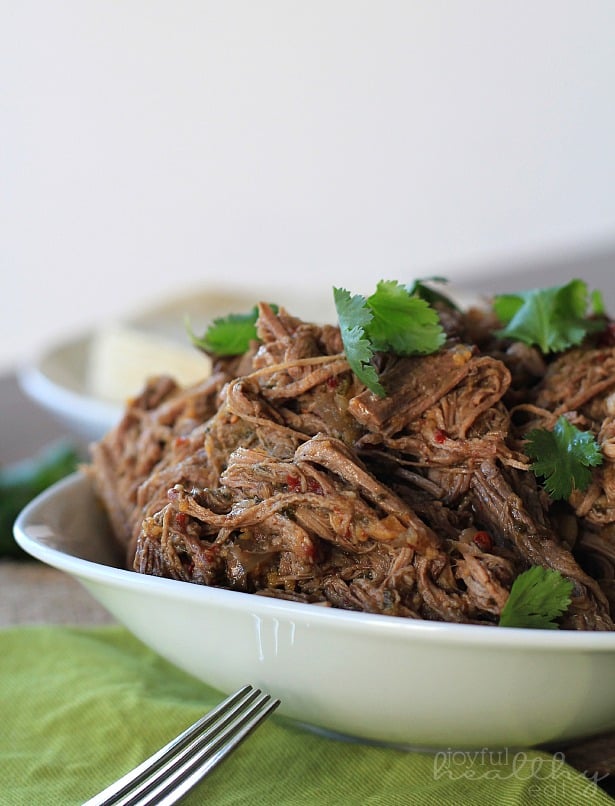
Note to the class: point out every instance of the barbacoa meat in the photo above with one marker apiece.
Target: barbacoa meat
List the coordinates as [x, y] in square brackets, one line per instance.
[282, 475]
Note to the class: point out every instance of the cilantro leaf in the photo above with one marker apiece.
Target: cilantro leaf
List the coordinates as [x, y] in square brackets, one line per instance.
[391, 319]
[229, 335]
[431, 295]
[563, 457]
[537, 597]
[552, 318]
[354, 316]
[402, 322]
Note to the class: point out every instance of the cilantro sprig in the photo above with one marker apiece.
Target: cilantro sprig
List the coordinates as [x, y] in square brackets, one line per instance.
[228, 335]
[354, 319]
[424, 289]
[537, 597]
[563, 457]
[394, 318]
[552, 318]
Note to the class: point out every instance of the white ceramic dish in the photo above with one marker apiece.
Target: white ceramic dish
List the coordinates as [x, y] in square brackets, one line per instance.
[57, 381]
[60, 378]
[371, 677]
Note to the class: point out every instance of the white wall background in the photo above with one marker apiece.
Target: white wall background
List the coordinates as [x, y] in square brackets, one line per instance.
[149, 146]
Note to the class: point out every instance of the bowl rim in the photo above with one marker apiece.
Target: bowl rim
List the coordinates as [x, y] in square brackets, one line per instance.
[35, 537]
[91, 415]
[39, 381]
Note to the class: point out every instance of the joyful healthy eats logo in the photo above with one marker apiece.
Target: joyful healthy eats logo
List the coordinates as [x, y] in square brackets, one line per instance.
[545, 775]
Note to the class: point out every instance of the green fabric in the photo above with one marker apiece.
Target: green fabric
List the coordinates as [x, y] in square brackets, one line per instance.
[81, 706]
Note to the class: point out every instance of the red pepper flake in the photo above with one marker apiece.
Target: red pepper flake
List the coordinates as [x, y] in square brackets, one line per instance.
[483, 541]
[181, 519]
[333, 382]
[440, 436]
[314, 487]
[181, 441]
[293, 483]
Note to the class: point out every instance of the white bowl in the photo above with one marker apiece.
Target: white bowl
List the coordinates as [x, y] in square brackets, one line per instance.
[378, 678]
[56, 381]
[64, 378]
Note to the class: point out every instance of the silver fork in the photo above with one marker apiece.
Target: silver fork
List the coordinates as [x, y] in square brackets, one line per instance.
[172, 771]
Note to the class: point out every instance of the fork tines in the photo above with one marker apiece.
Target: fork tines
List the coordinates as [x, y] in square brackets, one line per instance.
[172, 771]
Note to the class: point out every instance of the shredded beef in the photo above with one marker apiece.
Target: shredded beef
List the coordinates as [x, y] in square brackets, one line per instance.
[281, 475]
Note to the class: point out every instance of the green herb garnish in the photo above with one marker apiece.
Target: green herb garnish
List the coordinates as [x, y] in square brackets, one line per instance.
[423, 289]
[563, 457]
[537, 597]
[392, 319]
[22, 481]
[229, 335]
[552, 318]
[354, 318]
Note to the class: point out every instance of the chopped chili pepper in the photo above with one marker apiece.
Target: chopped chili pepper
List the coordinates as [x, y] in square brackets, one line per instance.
[293, 482]
[483, 541]
[314, 487]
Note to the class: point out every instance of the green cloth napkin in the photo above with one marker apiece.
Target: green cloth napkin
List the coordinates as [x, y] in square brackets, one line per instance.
[80, 706]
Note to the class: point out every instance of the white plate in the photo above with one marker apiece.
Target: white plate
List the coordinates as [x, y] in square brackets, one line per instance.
[61, 380]
[377, 678]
